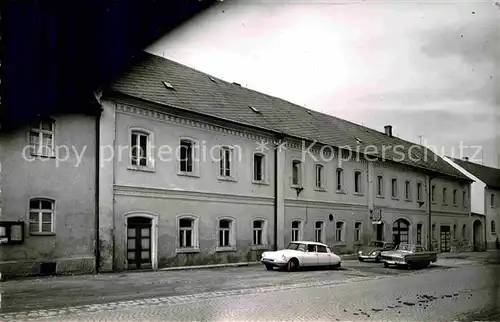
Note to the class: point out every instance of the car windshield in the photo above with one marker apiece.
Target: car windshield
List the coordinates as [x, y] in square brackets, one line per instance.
[295, 246]
[406, 247]
[377, 244]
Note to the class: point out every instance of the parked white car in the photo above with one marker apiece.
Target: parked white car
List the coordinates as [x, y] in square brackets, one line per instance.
[301, 254]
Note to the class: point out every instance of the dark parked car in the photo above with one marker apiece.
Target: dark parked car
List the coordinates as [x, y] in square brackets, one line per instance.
[372, 251]
[410, 256]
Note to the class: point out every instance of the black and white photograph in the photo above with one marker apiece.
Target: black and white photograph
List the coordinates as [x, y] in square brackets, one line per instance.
[250, 160]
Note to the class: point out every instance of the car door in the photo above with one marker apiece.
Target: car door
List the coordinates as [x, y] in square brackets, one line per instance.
[324, 258]
[310, 257]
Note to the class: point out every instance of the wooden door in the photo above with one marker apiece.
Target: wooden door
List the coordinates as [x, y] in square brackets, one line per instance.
[139, 243]
[445, 237]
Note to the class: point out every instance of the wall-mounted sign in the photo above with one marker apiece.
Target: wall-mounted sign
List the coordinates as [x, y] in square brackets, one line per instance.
[377, 215]
[11, 232]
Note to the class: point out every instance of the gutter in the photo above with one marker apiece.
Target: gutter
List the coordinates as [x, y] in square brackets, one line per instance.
[280, 138]
[429, 217]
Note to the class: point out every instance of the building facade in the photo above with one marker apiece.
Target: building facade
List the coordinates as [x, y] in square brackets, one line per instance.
[48, 182]
[485, 193]
[194, 170]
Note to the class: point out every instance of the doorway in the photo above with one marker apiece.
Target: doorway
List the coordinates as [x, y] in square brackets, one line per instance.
[139, 243]
[476, 236]
[378, 228]
[445, 236]
[400, 231]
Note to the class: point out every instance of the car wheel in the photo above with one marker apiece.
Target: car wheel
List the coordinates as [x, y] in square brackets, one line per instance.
[293, 264]
[386, 265]
[361, 259]
[378, 258]
[269, 267]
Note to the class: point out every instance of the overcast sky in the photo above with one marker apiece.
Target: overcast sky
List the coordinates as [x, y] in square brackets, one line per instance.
[429, 68]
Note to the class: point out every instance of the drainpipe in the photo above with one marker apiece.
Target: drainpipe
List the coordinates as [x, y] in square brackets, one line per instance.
[429, 224]
[97, 156]
[276, 166]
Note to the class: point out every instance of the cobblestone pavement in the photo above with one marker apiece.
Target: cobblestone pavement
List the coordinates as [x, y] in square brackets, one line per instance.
[240, 293]
[437, 295]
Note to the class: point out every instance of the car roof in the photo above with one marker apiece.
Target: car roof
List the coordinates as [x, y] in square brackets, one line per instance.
[307, 242]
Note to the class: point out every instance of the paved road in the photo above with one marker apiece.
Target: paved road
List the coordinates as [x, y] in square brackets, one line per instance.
[363, 291]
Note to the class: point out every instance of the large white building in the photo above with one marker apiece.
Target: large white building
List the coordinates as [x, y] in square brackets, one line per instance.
[485, 196]
[196, 170]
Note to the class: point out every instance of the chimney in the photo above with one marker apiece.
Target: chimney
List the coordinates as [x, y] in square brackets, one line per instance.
[466, 158]
[388, 130]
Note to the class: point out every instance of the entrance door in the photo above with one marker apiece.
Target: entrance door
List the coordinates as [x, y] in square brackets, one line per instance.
[445, 245]
[379, 231]
[139, 243]
[400, 231]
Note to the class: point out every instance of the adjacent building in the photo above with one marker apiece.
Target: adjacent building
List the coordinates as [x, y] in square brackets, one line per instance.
[195, 170]
[485, 196]
[48, 173]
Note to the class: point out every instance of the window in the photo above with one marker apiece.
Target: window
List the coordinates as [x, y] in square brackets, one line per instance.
[464, 231]
[42, 138]
[357, 232]
[41, 216]
[407, 190]
[444, 195]
[320, 182]
[454, 197]
[394, 188]
[226, 157]
[296, 172]
[187, 227]
[419, 191]
[419, 234]
[464, 198]
[321, 249]
[258, 167]
[259, 234]
[357, 182]
[339, 231]
[433, 231]
[186, 156]
[340, 179]
[296, 231]
[318, 231]
[454, 231]
[493, 228]
[433, 193]
[140, 154]
[492, 200]
[380, 186]
[226, 233]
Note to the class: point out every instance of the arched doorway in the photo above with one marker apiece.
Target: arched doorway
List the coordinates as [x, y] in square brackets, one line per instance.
[477, 232]
[400, 231]
[139, 243]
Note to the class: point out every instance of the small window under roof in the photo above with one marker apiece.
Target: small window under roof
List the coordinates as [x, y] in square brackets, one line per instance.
[308, 112]
[359, 140]
[253, 108]
[168, 85]
[212, 79]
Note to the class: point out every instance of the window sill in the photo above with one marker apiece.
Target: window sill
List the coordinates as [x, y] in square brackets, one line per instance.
[141, 168]
[320, 189]
[229, 179]
[358, 243]
[187, 250]
[295, 186]
[260, 247]
[408, 200]
[42, 234]
[260, 182]
[188, 174]
[381, 197]
[340, 243]
[342, 192]
[445, 204]
[359, 194]
[225, 249]
[395, 198]
[455, 205]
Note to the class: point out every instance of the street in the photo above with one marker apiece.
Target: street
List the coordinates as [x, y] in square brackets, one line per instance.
[455, 288]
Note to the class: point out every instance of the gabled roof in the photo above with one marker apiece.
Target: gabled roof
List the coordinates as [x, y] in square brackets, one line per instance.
[490, 176]
[201, 93]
